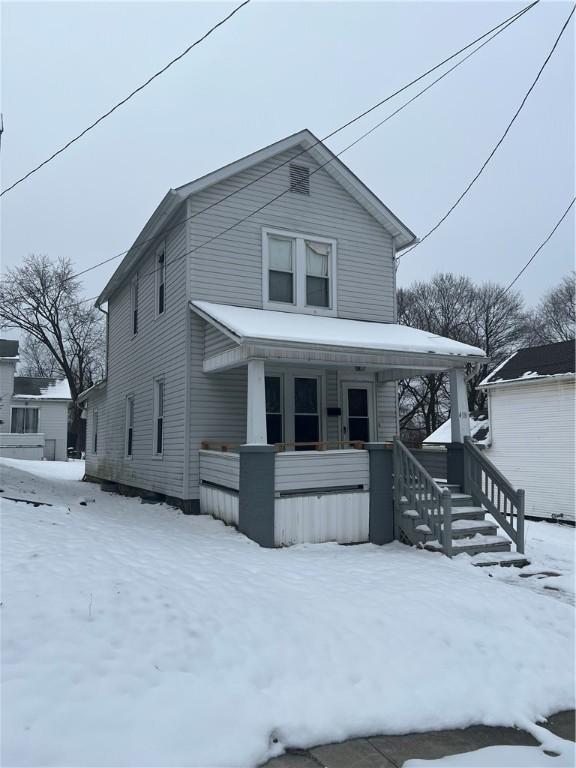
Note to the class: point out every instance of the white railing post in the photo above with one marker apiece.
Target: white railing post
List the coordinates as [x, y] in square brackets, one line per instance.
[256, 408]
[459, 415]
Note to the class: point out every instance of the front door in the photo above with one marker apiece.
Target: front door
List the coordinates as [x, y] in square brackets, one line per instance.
[357, 412]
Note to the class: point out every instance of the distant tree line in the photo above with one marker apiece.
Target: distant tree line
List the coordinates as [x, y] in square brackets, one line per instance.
[482, 315]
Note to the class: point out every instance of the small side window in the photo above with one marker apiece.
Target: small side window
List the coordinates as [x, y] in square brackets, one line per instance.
[135, 305]
[95, 432]
[161, 279]
[158, 417]
[129, 426]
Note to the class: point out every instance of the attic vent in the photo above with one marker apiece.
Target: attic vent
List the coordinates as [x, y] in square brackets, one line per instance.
[300, 179]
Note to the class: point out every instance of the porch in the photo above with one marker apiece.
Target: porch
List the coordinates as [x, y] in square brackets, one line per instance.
[312, 472]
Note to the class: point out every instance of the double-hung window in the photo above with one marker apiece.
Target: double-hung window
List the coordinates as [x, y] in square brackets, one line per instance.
[161, 279]
[158, 417]
[129, 426]
[299, 272]
[24, 420]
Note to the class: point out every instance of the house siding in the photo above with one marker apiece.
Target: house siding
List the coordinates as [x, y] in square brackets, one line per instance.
[7, 369]
[532, 443]
[229, 269]
[134, 362]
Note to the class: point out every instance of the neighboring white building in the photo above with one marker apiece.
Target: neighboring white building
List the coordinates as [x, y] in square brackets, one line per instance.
[531, 410]
[33, 411]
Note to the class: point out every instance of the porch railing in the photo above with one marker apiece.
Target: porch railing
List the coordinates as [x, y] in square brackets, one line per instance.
[415, 489]
[490, 488]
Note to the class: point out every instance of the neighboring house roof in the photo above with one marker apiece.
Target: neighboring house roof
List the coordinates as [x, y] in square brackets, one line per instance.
[314, 148]
[8, 349]
[532, 363]
[99, 385]
[479, 430]
[244, 323]
[40, 388]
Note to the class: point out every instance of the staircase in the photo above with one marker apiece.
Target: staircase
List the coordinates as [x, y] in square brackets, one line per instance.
[471, 532]
[446, 518]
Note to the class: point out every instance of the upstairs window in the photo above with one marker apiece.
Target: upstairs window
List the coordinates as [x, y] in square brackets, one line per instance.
[299, 179]
[129, 426]
[159, 416]
[24, 420]
[299, 272]
[135, 305]
[161, 279]
[281, 270]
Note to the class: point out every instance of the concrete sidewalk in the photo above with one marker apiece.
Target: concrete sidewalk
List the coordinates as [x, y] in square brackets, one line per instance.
[393, 751]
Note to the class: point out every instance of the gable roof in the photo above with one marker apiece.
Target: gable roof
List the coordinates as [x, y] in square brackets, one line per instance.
[479, 430]
[535, 363]
[310, 146]
[8, 349]
[41, 388]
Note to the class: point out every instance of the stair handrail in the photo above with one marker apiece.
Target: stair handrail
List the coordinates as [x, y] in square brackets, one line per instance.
[488, 487]
[422, 493]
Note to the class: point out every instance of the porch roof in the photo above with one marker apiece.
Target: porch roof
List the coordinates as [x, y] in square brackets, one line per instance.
[261, 332]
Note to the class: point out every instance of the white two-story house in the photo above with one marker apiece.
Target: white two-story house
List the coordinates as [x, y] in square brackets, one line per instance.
[254, 352]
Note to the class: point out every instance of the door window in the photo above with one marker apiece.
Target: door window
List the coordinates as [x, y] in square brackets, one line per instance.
[358, 414]
[306, 413]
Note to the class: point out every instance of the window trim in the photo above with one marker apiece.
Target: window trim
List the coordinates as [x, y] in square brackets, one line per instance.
[288, 375]
[299, 305]
[26, 408]
[129, 439]
[155, 452]
[160, 251]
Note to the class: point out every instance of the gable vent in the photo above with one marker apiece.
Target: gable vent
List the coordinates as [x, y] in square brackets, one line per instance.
[300, 179]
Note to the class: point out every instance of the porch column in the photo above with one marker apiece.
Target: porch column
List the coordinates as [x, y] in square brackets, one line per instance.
[459, 416]
[256, 410]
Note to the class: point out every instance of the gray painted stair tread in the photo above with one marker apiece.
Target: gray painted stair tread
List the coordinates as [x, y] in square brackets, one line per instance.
[410, 513]
[499, 558]
[468, 512]
[462, 528]
[480, 542]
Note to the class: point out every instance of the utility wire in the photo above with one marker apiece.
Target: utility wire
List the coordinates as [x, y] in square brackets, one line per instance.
[537, 251]
[508, 287]
[492, 33]
[127, 98]
[498, 143]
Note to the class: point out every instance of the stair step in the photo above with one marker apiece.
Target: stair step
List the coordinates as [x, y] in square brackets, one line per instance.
[451, 486]
[468, 513]
[466, 527]
[461, 500]
[480, 543]
[411, 513]
[504, 559]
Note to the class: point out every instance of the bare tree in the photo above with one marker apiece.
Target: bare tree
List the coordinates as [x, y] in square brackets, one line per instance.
[555, 317]
[497, 324]
[42, 299]
[36, 360]
[452, 306]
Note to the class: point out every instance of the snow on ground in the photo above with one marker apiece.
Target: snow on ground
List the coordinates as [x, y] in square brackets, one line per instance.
[134, 635]
[551, 549]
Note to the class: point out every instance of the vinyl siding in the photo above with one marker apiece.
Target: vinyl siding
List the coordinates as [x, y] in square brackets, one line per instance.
[229, 270]
[134, 361]
[6, 390]
[53, 423]
[532, 443]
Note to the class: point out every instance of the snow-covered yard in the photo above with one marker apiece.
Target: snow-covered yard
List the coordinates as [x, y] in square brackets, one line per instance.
[136, 636]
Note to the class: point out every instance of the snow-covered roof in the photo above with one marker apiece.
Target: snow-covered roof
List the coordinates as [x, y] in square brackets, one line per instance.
[99, 385]
[479, 430]
[40, 388]
[8, 349]
[311, 147]
[270, 325]
[531, 363]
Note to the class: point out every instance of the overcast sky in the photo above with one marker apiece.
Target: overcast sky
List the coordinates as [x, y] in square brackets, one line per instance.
[275, 68]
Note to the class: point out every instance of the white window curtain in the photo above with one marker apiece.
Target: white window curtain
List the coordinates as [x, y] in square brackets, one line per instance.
[24, 420]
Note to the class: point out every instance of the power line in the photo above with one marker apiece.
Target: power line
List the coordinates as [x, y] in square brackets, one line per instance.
[127, 98]
[498, 29]
[537, 251]
[499, 142]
